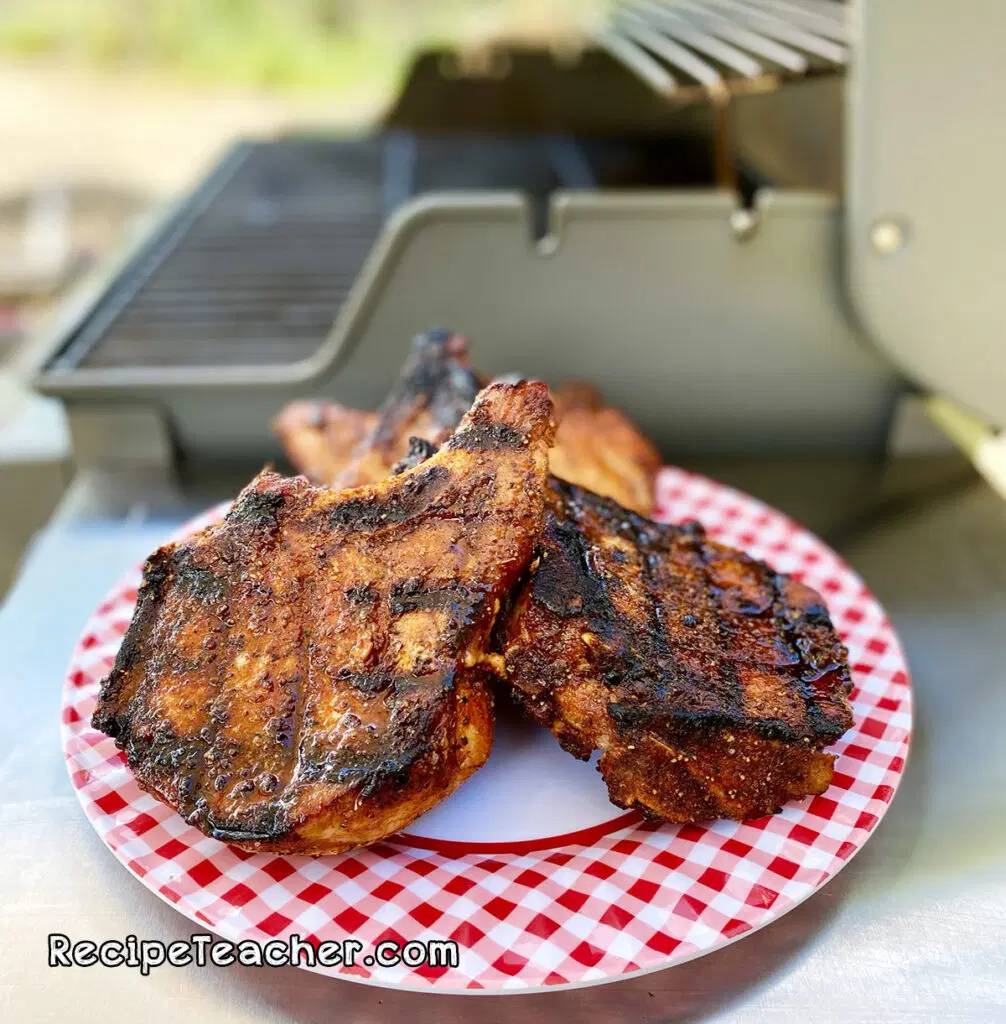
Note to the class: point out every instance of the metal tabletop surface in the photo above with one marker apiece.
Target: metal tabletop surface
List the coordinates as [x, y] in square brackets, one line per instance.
[914, 929]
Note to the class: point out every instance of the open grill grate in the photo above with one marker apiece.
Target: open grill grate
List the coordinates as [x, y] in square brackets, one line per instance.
[254, 267]
[252, 270]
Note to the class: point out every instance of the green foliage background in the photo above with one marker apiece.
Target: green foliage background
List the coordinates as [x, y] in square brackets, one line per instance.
[308, 44]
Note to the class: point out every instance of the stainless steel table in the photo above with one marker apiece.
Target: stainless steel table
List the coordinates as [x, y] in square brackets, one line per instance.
[913, 930]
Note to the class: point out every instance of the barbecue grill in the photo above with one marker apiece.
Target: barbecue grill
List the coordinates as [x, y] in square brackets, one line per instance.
[656, 211]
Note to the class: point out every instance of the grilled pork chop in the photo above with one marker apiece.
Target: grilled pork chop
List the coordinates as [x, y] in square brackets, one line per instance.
[307, 675]
[596, 445]
[320, 437]
[710, 683]
[435, 388]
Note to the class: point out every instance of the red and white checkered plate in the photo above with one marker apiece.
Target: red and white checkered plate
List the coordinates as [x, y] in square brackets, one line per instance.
[527, 867]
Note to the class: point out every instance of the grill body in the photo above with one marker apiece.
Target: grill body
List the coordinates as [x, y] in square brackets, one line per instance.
[303, 265]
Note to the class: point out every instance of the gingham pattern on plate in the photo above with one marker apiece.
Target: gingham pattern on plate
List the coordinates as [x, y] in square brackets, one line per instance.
[639, 898]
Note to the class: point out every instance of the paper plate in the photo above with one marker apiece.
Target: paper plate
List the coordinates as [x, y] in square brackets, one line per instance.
[540, 881]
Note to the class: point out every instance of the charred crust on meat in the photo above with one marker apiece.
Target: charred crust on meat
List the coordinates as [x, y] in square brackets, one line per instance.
[419, 451]
[683, 723]
[458, 599]
[262, 823]
[377, 512]
[202, 583]
[629, 716]
[491, 437]
[436, 377]
[368, 682]
[388, 761]
[157, 572]
[240, 834]
[367, 770]
[439, 683]
[361, 594]
[256, 508]
[569, 585]
[349, 448]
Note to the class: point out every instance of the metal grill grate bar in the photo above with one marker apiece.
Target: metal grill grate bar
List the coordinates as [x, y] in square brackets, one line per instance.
[715, 43]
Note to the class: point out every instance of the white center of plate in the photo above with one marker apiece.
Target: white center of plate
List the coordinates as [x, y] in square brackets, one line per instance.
[530, 788]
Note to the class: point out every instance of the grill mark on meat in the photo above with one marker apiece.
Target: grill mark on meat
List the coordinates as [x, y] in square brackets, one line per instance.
[375, 513]
[734, 697]
[195, 811]
[493, 437]
[640, 662]
[458, 599]
[305, 675]
[306, 680]
[389, 760]
[654, 667]
[645, 666]
[387, 756]
[366, 770]
[256, 509]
